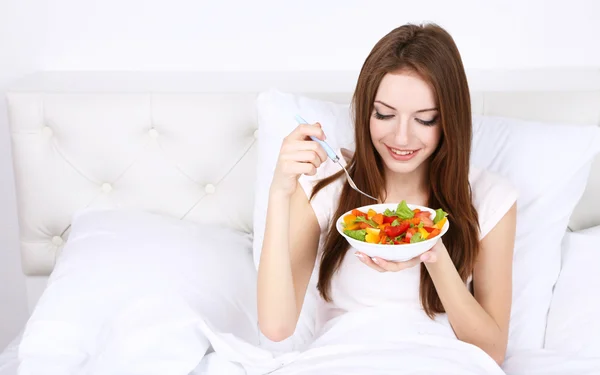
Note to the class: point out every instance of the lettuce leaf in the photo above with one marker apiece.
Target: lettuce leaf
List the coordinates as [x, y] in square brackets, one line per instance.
[359, 234]
[416, 238]
[403, 211]
[363, 219]
[439, 215]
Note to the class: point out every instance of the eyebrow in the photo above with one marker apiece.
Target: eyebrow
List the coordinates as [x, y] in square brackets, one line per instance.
[419, 111]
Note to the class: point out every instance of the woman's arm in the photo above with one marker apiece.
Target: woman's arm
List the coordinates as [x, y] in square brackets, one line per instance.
[286, 263]
[288, 255]
[483, 319]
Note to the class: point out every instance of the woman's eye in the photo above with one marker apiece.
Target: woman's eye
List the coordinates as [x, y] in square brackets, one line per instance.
[379, 116]
[431, 122]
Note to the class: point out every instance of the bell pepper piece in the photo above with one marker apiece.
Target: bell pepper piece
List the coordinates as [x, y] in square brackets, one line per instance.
[378, 218]
[354, 226]
[349, 219]
[372, 238]
[356, 212]
[434, 233]
[440, 224]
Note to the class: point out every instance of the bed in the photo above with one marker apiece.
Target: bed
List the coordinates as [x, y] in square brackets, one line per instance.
[187, 146]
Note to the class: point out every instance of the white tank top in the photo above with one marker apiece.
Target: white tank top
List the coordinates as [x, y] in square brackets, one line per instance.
[356, 288]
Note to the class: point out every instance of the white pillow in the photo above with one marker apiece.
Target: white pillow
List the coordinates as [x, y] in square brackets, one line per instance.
[123, 267]
[573, 320]
[550, 184]
[508, 147]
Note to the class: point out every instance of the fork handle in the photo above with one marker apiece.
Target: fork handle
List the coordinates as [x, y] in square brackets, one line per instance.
[332, 155]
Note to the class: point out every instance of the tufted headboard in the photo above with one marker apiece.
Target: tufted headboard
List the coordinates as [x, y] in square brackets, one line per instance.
[184, 144]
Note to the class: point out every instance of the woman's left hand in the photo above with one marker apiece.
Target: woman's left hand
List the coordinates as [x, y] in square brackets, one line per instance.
[382, 265]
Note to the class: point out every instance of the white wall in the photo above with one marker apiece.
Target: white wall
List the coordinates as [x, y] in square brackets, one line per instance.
[256, 35]
[19, 54]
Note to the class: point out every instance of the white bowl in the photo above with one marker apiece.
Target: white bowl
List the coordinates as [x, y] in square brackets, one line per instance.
[401, 252]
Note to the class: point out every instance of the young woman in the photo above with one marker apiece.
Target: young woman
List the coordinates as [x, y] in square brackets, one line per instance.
[413, 138]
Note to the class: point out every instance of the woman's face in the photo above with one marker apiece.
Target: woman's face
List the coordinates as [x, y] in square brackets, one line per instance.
[405, 122]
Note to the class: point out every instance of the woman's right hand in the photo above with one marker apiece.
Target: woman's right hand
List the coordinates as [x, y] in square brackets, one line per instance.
[298, 155]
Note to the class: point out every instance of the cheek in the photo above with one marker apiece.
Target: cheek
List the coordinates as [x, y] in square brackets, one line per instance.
[432, 136]
[378, 130]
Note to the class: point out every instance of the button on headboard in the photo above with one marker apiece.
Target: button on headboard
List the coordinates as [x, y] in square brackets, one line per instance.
[184, 144]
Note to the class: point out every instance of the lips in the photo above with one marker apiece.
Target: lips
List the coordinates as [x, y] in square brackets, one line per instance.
[402, 154]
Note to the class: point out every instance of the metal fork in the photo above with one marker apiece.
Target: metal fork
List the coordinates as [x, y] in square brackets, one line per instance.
[333, 156]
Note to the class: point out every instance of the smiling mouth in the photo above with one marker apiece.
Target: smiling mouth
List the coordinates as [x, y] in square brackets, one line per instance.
[402, 152]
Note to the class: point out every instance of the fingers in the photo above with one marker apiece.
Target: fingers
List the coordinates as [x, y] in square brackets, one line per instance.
[368, 261]
[428, 257]
[311, 146]
[382, 265]
[396, 266]
[303, 131]
[300, 139]
[304, 157]
[295, 168]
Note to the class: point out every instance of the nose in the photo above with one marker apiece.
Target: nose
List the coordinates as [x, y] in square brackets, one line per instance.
[402, 132]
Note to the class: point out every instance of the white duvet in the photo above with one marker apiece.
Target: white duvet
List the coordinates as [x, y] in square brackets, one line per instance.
[152, 337]
[361, 343]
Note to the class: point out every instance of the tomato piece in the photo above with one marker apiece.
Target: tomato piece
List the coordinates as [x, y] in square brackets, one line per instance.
[410, 232]
[427, 222]
[397, 230]
[389, 219]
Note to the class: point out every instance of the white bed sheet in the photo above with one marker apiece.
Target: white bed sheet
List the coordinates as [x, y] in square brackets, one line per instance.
[9, 358]
[538, 362]
[550, 362]
[211, 364]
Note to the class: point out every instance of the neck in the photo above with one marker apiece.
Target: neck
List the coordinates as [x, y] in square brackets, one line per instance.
[412, 187]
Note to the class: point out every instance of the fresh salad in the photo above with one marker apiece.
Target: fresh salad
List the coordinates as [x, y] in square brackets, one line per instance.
[398, 227]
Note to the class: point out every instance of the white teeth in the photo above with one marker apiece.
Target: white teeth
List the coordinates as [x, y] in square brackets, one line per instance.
[398, 152]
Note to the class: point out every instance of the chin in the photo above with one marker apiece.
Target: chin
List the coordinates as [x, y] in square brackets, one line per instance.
[401, 168]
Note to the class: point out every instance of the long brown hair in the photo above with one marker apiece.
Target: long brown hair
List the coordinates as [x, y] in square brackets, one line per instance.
[429, 51]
